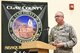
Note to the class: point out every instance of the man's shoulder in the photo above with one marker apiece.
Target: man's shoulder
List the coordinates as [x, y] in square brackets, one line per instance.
[67, 25]
[54, 27]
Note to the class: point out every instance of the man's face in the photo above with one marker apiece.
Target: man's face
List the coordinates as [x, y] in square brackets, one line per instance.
[59, 17]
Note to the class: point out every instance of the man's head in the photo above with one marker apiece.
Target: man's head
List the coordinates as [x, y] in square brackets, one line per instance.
[59, 17]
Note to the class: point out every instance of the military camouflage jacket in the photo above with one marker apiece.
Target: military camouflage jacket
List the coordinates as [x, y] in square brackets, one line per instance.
[66, 34]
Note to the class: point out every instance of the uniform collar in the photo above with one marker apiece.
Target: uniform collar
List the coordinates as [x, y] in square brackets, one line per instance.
[60, 27]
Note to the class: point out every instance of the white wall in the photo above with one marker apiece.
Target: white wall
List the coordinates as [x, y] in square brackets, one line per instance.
[71, 16]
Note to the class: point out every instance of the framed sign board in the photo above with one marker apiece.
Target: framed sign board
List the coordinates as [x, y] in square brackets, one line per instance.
[23, 22]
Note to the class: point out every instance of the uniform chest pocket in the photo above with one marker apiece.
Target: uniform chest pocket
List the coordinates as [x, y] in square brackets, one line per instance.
[65, 34]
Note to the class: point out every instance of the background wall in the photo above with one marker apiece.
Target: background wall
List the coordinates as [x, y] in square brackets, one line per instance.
[71, 16]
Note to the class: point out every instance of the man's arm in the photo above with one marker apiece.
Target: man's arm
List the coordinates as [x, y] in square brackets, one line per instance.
[50, 37]
[73, 39]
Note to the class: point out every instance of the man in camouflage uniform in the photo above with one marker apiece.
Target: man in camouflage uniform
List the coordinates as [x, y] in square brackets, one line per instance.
[62, 35]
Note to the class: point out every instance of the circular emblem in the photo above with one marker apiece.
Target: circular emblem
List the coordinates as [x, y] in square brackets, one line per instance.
[24, 26]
